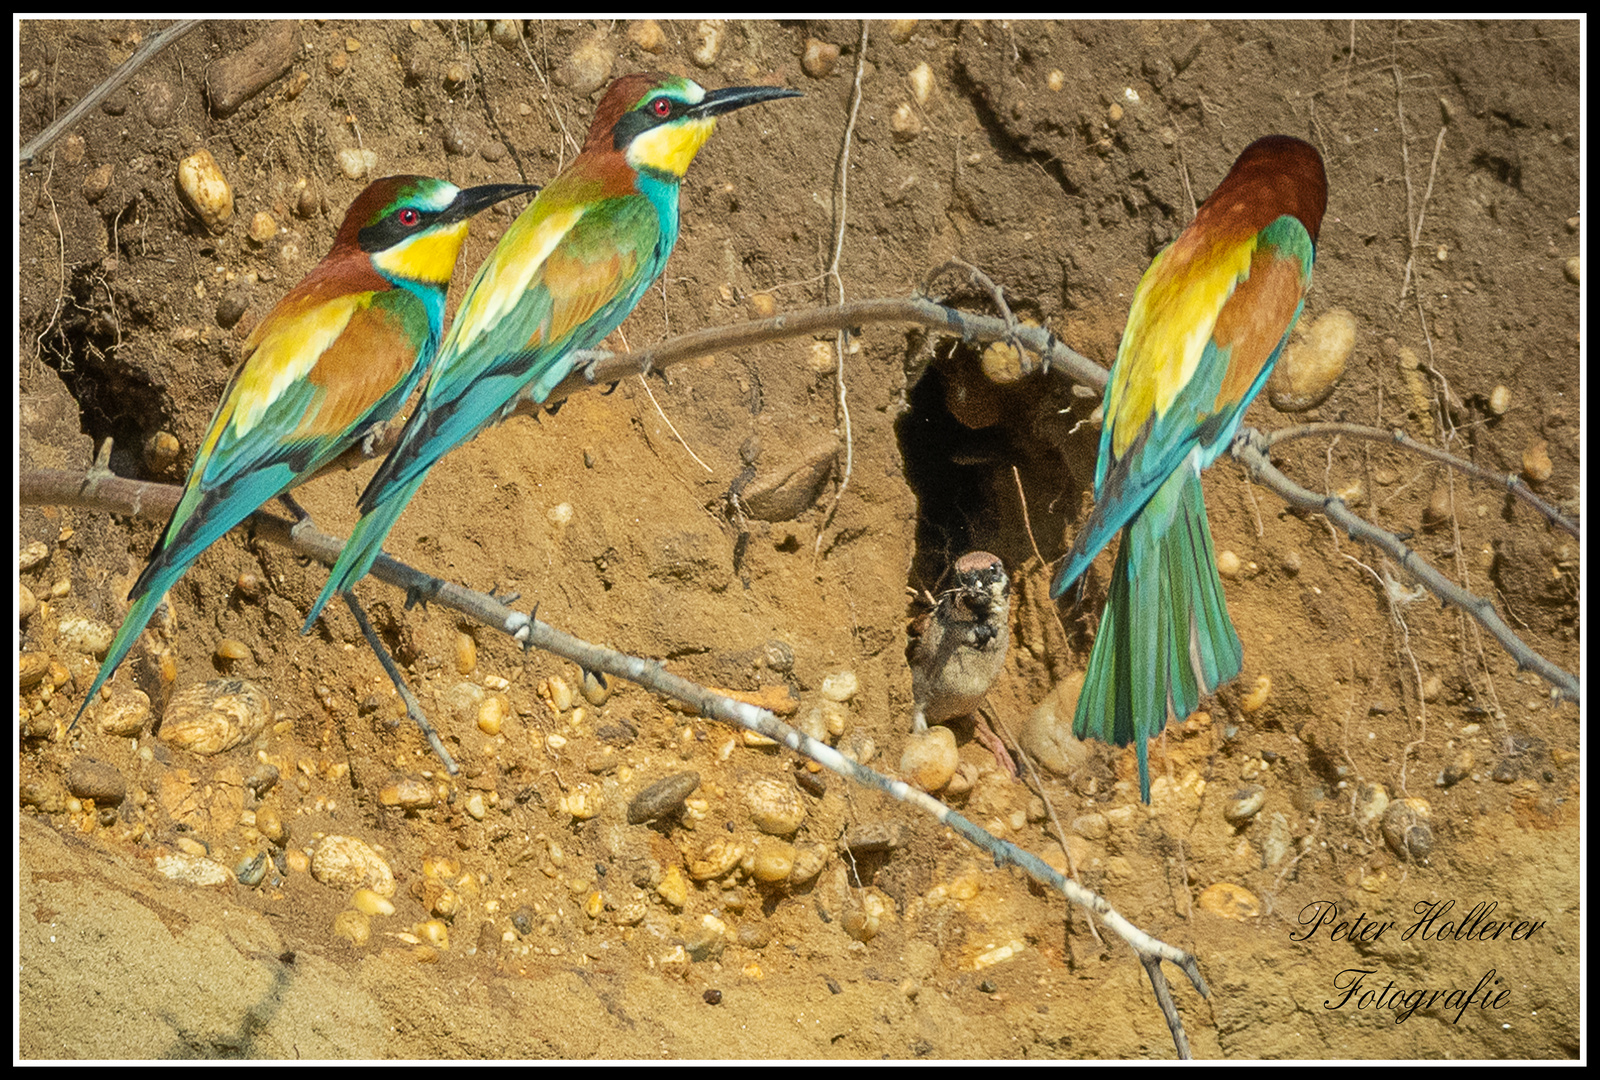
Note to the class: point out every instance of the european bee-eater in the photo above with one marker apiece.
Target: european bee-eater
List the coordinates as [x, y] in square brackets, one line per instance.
[338, 355]
[565, 275]
[1208, 320]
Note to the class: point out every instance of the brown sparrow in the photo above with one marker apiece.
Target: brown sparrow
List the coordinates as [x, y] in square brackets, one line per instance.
[958, 648]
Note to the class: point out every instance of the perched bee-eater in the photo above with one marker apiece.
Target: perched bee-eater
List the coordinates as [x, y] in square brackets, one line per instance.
[337, 356]
[1208, 320]
[565, 275]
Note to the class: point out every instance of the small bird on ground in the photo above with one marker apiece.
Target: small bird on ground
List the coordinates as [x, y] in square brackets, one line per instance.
[564, 276]
[958, 649]
[337, 356]
[1208, 321]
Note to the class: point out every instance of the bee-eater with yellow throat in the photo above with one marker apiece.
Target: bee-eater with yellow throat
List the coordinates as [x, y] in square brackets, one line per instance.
[565, 275]
[1209, 319]
[338, 355]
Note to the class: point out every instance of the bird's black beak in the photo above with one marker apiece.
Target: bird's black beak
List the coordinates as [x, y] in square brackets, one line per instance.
[473, 199]
[717, 102]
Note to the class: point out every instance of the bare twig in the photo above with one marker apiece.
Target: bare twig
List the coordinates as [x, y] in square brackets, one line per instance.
[1510, 481]
[152, 47]
[156, 501]
[841, 185]
[1248, 448]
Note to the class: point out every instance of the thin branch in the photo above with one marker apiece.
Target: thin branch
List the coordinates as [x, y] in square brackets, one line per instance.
[1248, 448]
[156, 502]
[841, 186]
[1510, 481]
[153, 46]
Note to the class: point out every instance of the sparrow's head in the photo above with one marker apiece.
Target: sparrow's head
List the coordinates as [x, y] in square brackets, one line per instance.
[980, 580]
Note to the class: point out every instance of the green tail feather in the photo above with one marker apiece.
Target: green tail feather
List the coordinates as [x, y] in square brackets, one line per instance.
[1165, 639]
[363, 547]
[138, 618]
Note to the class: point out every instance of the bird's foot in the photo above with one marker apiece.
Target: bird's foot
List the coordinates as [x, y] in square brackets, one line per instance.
[413, 706]
[420, 594]
[985, 734]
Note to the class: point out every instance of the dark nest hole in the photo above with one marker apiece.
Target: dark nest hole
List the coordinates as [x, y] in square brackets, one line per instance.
[967, 442]
[116, 399]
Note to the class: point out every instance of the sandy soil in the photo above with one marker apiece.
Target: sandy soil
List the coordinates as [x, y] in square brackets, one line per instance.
[1058, 157]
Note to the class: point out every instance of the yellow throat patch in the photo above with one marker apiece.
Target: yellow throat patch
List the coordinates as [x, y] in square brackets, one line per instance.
[671, 147]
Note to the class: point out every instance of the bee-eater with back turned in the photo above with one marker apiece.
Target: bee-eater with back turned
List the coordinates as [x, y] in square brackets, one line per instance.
[565, 275]
[337, 356]
[1208, 320]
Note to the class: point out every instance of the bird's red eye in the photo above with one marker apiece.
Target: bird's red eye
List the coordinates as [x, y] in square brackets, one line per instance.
[662, 107]
[409, 217]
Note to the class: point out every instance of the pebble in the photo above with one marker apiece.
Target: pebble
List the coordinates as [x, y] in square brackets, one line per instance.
[930, 758]
[408, 793]
[353, 925]
[557, 693]
[774, 861]
[905, 124]
[900, 30]
[646, 33]
[596, 688]
[262, 227]
[97, 780]
[32, 667]
[1459, 769]
[921, 79]
[263, 778]
[233, 80]
[506, 33]
[215, 716]
[876, 837]
[1499, 400]
[1257, 696]
[1574, 270]
[762, 305]
[1230, 901]
[582, 804]
[270, 824]
[673, 888]
[1432, 687]
[160, 451]
[85, 635]
[709, 33]
[776, 807]
[808, 863]
[435, 933]
[865, 917]
[126, 714]
[229, 649]
[1408, 829]
[492, 714]
[1371, 801]
[1313, 362]
[205, 189]
[193, 869]
[1245, 804]
[588, 68]
[841, 686]
[347, 863]
[715, 858]
[662, 798]
[357, 162]
[27, 603]
[32, 555]
[1536, 464]
[466, 653]
[1047, 733]
[819, 58]
[252, 869]
[1228, 564]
